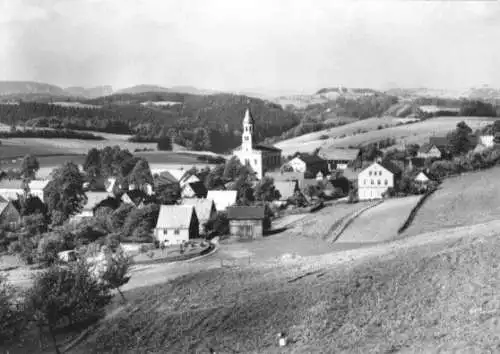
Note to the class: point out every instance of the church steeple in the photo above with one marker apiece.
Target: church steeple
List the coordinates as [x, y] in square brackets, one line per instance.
[247, 136]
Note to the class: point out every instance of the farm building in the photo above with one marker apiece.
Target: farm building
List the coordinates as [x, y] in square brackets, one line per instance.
[376, 179]
[93, 200]
[339, 159]
[287, 189]
[11, 189]
[424, 176]
[9, 214]
[285, 176]
[259, 157]
[205, 210]
[306, 163]
[176, 224]
[222, 199]
[246, 221]
[194, 190]
[427, 151]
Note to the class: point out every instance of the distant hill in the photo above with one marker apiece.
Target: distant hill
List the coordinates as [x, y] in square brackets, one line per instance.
[478, 93]
[91, 92]
[142, 88]
[29, 87]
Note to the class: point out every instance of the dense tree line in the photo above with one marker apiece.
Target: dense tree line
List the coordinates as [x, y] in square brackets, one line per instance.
[199, 122]
[49, 134]
[478, 108]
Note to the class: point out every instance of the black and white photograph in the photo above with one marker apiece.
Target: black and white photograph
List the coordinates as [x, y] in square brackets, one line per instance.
[265, 176]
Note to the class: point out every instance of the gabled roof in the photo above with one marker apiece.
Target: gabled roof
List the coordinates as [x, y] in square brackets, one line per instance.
[333, 153]
[263, 147]
[38, 184]
[3, 205]
[198, 189]
[3, 200]
[310, 159]
[222, 199]
[203, 207]
[11, 184]
[175, 216]
[391, 167]
[426, 148]
[135, 196]
[286, 188]
[305, 182]
[94, 198]
[245, 213]
[439, 141]
[177, 174]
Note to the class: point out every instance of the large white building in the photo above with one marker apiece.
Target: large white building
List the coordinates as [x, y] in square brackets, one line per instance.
[376, 179]
[259, 157]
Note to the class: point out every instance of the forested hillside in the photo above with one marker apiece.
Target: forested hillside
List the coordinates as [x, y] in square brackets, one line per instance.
[212, 122]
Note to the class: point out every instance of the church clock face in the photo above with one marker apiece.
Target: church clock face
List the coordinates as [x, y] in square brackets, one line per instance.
[246, 137]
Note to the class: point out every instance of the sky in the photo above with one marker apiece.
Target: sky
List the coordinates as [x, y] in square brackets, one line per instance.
[261, 45]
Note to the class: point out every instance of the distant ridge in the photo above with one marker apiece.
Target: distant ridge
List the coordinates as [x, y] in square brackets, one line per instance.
[91, 92]
[29, 87]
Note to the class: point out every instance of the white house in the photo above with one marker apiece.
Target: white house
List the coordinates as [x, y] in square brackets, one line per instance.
[374, 180]
[429, 151]
[422, 177]
[11, 189]
[205, 210]
[93, 199]
[176, 224]
[259, 157]
[37, 188]
[222, 199]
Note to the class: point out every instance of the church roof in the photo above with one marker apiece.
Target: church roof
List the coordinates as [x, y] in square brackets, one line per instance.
[248, 118]
[261, 147]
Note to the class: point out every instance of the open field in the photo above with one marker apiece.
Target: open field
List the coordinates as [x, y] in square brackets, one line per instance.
[437, 296]
[463, 200]
[380, 223]
[409, 133]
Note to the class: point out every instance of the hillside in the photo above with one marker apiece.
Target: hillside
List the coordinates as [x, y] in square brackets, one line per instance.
[367, 131]
[210, 122]
[91, 92]
[29, 87]
[142, 89]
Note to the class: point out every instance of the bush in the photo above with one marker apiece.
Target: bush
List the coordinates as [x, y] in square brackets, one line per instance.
[324, 137]
[12, 319]
[49, 247]
[14, 247]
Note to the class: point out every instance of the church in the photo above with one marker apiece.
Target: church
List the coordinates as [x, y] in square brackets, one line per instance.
[259, 157]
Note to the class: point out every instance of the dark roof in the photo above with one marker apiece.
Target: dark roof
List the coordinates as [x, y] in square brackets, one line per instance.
[311, 159]
[339, 154]
[245, 213]
[426, 148]
[262, 147]
[198, 189]
[391, 167]
[136, 196]
[418, 162]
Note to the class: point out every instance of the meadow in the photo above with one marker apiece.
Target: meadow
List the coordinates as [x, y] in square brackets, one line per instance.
[432, 298]
[380, 223]
[463, 200]
[418, 132]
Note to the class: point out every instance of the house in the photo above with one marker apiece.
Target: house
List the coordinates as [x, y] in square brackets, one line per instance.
[11, 189]
[189, 179]
[205, 210]
[9, 214]
[246, 221]
[93, 200]
[307, 163]
[287, 189]
[37, 188]
[285, 176]
[176, 224]
[222, 199]
[376, 179]
[194, 190]
[486, 140]
[338, 158]
[429, 150]
[261, 158]
[423, 177]
[134, 197]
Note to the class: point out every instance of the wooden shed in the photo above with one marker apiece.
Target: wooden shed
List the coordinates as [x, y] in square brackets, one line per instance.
[246, 221]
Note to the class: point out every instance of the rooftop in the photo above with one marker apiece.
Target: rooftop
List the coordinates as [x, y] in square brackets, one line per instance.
[174, 216]
[245, 213]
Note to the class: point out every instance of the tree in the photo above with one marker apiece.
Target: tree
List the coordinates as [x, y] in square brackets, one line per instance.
[217, 226]
[266, 191]
[214, 179]
[117, 271]
[164, 143]
[11, 317]
[65, 195]
[120, 215]
[29, 167]
[140, 176]
[412, 150]
[232, 169]
[92, 164]
[459, 140]
[168, 193]
[66, 293]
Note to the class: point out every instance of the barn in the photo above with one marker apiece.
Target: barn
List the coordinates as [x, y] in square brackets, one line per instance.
[246, 221]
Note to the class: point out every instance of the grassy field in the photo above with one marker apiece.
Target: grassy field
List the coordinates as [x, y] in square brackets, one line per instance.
[432, 298]
[410, 133]
[464, 200]
[380, 223]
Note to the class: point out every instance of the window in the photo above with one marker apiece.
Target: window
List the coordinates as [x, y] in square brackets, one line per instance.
[380, 173]
[378, 182]
[176, 232]
[370, 173]
[255, 160]
[386, 182]
[372, 181]
[366, 182]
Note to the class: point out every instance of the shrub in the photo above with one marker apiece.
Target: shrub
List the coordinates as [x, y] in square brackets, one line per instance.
[66, 295]
[14, 247]
[49, 247]
[12, 319]
[117, 271]
[324, 137]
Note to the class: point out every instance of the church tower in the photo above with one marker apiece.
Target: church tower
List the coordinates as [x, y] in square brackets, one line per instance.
[247, 137]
